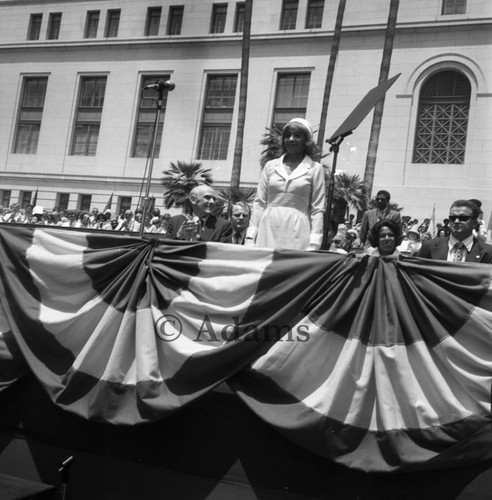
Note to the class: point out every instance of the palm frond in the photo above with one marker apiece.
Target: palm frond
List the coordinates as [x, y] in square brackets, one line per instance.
[180, 178]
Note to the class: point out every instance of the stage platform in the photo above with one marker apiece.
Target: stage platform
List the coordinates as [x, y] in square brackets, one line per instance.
[215, 448]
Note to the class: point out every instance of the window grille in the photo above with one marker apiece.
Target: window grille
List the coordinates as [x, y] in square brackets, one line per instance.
[442, 119]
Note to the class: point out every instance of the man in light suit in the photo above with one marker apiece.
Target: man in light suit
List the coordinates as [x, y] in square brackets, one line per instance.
[381, 212]
[203, 225]
[461, 245]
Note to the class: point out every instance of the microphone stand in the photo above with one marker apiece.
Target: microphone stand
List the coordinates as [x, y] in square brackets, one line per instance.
[161, 87]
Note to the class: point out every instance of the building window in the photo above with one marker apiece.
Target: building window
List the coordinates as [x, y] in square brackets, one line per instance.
[6, 195]
[91, 24]
[217, 117]
[89, 113]
[453, 7]
[146, 119]
[62, 201]
[54, 24]
[85, 201]
[219, 14]
[30, 114]
[25, 198]
[291, 97]
[314, 14]
[239, 19]
[34, 26]
[153, 21]
[442, 120]
[112, 23]
[289, 15]
[125, 203]
[175, 20]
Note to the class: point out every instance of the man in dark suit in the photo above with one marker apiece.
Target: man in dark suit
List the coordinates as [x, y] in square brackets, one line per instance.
[461, 245]
[203, 225]
[240, 215]
[381, 212]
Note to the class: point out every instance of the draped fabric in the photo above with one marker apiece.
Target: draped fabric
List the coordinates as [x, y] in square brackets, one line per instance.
[380, 364]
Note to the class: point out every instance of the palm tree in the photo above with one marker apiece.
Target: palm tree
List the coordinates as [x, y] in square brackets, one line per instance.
[272, 140]
[349, 191]
[235, 195]
[377, 117]
[180, 179]
[232, 195]
[335, 44]
[243, 95]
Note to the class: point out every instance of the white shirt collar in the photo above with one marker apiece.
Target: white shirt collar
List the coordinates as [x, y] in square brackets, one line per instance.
[468, 242]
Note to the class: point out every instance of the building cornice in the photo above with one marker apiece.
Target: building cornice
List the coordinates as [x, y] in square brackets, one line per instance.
[484, 23]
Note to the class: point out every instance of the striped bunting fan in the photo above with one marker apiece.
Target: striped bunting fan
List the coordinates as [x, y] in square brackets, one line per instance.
[377, 364]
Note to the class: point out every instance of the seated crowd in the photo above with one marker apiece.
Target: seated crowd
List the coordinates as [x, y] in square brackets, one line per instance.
[208, 221]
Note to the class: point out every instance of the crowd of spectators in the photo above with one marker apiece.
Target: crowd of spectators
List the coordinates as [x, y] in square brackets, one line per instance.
[126, 221]
[347, 239]
[414, 233]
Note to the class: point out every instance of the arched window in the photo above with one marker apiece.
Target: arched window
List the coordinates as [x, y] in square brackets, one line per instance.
[442, 119]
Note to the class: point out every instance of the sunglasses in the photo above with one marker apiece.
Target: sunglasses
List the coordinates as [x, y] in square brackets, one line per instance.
[461, 218]
[380, 199]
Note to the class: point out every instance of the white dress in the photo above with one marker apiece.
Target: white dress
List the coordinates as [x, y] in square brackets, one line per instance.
[288, 208]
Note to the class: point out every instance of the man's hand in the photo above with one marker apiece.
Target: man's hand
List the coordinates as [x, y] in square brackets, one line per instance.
[189, 230]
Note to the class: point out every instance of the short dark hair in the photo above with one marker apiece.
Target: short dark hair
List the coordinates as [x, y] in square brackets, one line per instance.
[373, 234]
[475, 209]
[385, 193]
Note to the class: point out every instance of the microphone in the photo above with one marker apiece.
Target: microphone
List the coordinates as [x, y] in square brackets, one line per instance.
[159, 85]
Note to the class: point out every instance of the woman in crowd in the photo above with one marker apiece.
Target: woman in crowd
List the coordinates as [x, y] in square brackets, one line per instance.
[412, 243]
[290, 201]
[385, 236]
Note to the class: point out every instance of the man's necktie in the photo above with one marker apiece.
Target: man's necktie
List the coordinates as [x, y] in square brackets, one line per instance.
[237, 239]
[458, 252]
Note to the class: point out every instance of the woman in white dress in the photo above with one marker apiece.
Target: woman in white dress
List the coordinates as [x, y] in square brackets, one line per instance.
[289, 206]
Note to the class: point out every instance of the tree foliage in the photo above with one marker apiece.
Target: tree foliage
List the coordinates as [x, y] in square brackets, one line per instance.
[180, 178]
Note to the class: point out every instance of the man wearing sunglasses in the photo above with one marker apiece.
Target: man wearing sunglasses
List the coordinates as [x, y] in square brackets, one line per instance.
[461, 245]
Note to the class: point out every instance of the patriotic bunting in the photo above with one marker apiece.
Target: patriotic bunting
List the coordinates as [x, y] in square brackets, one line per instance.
[380, 364]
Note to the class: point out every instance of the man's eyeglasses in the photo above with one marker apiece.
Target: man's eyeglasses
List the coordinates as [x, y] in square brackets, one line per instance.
[461, 218]
[380, 199]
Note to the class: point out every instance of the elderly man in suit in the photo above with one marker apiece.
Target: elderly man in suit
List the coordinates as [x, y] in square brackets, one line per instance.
[461, 245]
[203, 225]
[381, 212]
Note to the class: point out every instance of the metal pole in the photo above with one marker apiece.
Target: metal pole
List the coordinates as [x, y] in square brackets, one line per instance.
[160, 86]
[146, 200]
